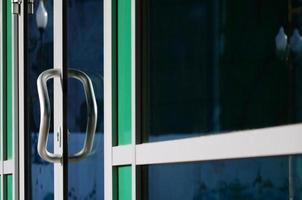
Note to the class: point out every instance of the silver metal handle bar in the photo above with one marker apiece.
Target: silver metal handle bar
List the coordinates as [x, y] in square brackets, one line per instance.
[91, 113]
[45, 114]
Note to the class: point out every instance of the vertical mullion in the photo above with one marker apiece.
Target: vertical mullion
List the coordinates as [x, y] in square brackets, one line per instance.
[109, 97]
[65, 67]
[19, 170]
[9, 81]
[133, 96]
[2, 50]
[15, 106]
[58, 98]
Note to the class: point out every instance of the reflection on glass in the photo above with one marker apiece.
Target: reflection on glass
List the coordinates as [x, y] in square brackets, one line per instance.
[275, 178]
[85, 53]
[40, 58]
[211, 66]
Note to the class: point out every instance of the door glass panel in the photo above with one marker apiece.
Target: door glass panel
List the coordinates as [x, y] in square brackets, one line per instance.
[249, 179]
[39, 52]
[85, 53]
[213, 66]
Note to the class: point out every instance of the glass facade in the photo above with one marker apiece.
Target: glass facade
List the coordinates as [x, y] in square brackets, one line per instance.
[202, 67]
[218, 66]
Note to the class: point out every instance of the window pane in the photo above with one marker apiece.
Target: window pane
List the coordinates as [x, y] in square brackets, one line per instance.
[249, 179]
[210, 66]
[85, 53]
[39, 44]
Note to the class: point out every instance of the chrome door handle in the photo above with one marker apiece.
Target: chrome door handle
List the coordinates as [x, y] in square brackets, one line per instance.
[45, 114]
[91, 113]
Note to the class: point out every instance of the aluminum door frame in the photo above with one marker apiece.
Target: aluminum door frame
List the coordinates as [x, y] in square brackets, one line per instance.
[19, 140]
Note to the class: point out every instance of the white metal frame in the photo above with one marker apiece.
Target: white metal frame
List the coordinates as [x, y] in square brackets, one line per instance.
[108, 172]
[15, 103]
[277, 141]
[19, 144]
[58, 96]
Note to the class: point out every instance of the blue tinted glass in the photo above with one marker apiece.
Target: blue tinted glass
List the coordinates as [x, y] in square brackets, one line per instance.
[275, 178]
[39, 58]
[216, 66]
[85, 53]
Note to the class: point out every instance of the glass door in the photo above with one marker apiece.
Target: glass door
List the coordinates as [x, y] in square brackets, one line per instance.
[64, 78]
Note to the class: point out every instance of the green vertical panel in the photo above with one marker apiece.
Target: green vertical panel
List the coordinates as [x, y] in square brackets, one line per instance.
[124, 71]
[114, 74]
[4, 58]
[124, 183]
[9, 82]
[8, 195]
[7, 78]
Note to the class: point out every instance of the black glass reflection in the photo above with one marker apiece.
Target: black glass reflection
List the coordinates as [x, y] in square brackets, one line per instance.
[275, 178]
[85, 53]
[216, 66]
[39, 52]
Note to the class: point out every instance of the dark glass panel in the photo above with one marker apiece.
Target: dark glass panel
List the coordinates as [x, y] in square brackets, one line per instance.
[39, 53]
[85, 53]
[212, 66]
[275, 178]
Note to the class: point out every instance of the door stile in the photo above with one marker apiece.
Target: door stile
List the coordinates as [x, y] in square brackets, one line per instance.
[15, 104]
[58, 99]
[108, 102]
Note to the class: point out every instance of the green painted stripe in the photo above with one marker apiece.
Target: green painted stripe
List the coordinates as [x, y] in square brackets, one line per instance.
[124, 183]
[9, 191]
[124, 71]
[114, 74]
[4, 58]
[7, 79]
[9, 83]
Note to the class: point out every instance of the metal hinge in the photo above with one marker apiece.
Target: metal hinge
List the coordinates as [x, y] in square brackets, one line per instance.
[30, 6]
[17, 7]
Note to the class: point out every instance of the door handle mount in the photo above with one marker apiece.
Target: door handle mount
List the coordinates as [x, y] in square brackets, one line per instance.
[45, 110]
